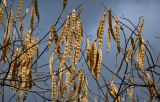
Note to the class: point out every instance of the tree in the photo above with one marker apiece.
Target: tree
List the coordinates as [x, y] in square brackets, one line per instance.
[74, 59]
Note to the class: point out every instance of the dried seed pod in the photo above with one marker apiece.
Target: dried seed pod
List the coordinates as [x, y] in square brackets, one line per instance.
[132, 43]
[117, 34]
[32, 18]
[110, 23]
[36, 10]
[101, 30]
[64, 33]
[51, 63]
[112, 89]
[72, 32]
[93, 57]
[1, 15]
[109, 40]
[140, 29]
[78, 43]
[7, 38]
[129, 54]
[54, 95]
[141, 55]
[19, 9]
[85, 97]
[98, 66]
[49, 39]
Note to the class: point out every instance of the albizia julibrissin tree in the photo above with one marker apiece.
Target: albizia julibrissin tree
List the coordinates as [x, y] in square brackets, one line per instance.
[74, 58]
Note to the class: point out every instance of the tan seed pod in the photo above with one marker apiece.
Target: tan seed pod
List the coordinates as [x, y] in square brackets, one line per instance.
[101, 30]
[37, 10]
[1, 15]
[54, 95]
[110, 23]
[49, 39]
[51, 63]
[93, 57]
[32, 18]
[129, 54]
[98, 66]
[64, 33]
[19, 9]
[109, 40]
[117, 34]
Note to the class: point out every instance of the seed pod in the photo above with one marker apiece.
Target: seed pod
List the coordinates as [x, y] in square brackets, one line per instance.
[64, 3]
[140, 29]
[72, 32]
[129, 54]
[78, 43]
[110, 23]
[1, 15]
[49, 39]
[93, 60]
[132, 43]
[101, 30]
[64, 33]
[19, 9]
[85, 97]
[51, 63]
[112, 89]
[36, 10]
[32, 18]
[54, 95]
[109, 40]
[98, 66]
[141, 55]
[116, 28]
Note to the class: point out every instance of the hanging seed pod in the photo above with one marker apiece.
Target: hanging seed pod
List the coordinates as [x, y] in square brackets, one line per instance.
[93, 59]
[1, 15]
[98, 66]
[19, 10]
[32, 18]
[110, 23]
[117, 34]
[109, 40]
[54, 95]
[101, 30]
[72, 32]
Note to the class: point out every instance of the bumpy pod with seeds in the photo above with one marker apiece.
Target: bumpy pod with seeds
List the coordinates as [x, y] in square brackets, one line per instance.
[101, 30]
[141, 55]
[109, 40]
[110, 23]
[1, 15]
[54, 95]
[49, 39]
[112, 89]
[98, 66]
[129, 54]
[72, 32]
[93, 58]
[51, 63]
[85, 97]
[140, 28]
[32, 18]
[64, 33]
[88, 51]
[7, 39]
[19, 9]
[78, 43]
[75, 75]
[117, 34]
